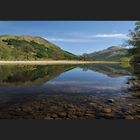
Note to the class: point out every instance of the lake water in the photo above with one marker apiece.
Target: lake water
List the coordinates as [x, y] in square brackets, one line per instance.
[99, 90]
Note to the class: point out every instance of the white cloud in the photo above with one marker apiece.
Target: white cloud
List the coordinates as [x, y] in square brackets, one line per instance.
[84, 38]
[72, 40]
[111, 36]
[104, 35]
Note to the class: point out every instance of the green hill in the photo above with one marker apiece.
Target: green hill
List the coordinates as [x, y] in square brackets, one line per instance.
[114, 53]
[14, 47]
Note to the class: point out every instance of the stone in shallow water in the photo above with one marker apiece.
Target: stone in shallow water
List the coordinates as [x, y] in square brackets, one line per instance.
[53, 107]
[54, 116]
[28, 108]
[59, 118]
[92, 104]
[90, 115]
[128, 82]
[138, 105]
[80, 114]
[129, 117]
[62, 114]
[48, 118]
[108, 116]
[70, 106]
[111, 101]
[19, 109]
[71, 110]
[138, 116]
[106, 110]
[70, 116]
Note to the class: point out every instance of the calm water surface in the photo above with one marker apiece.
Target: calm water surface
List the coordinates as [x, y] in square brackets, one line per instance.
[64, 79]
[99, 82]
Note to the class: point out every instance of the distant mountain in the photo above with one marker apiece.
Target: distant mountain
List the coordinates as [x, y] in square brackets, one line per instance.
[114, 53]
[115, 48]
[14, 47]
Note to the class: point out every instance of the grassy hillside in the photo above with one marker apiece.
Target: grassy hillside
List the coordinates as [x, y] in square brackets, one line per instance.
[31, 48]
[113, 53]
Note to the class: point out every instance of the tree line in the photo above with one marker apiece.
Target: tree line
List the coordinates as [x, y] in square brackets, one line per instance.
[134, 41]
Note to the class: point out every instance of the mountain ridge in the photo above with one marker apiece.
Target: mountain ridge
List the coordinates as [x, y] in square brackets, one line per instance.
[27, 47]
[113, 53]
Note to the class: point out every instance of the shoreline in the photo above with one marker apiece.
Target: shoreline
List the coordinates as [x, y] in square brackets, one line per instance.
[57, 62]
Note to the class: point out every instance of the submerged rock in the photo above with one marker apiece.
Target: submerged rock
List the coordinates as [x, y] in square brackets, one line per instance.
[90, 115]
[128, 82]
[48, 118]
[137, 116]
[54, 116]
[138, 105]
[111, 100]
[92, 104]
[106, 110]
[71, 106]
[70, 116]
[129, 117]
[62, 114]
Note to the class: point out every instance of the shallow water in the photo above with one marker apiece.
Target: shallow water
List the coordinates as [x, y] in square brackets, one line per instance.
[42, 86]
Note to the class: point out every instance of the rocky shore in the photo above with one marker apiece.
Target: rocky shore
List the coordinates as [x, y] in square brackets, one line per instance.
[47, 107]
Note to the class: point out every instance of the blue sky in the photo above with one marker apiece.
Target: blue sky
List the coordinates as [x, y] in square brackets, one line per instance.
[77, 37]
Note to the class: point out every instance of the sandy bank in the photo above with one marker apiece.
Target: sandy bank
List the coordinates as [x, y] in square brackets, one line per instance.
[54, 62]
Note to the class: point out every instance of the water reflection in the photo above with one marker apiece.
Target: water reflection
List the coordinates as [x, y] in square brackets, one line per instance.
[69, 91]
[27, 75]
[64, 79]
[134, 81]
[111, 70]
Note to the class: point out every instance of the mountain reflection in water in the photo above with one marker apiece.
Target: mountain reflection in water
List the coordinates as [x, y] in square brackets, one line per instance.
[62, 79]
[69, 91]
